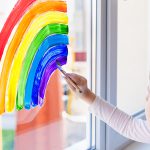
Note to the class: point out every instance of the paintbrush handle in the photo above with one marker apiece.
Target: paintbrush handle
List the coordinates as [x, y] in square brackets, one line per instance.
[65, 74]
[71, 81]
[74, 84]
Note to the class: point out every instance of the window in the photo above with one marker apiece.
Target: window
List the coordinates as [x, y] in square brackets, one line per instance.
[64, 122]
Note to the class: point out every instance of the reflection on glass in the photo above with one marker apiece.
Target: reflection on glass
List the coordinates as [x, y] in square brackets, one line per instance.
[133, 50]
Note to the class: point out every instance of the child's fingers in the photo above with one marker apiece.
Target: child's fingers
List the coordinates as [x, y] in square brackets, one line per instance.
[70, 84]
[76, 78]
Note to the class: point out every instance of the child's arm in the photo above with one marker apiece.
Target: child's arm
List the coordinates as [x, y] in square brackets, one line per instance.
[126, 125]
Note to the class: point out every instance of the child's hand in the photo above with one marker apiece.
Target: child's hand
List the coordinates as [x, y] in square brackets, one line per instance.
[81, 82]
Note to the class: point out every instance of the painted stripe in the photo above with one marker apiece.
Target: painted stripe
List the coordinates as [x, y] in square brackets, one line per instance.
[36, 26]
[31, 55]
[19, 11]
[39, 86]
[23, 25]
[51, 67]
[15, 15]
[25, 92]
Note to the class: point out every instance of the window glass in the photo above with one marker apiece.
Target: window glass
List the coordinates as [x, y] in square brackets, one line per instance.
[62, 122]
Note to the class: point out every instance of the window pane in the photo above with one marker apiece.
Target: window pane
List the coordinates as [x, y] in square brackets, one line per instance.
[62, 122]
[133, 50]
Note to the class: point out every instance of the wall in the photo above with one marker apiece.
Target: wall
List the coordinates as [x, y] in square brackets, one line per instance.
[133, 48]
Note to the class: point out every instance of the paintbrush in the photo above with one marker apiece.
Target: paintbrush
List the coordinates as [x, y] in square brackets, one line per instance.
[65, 74]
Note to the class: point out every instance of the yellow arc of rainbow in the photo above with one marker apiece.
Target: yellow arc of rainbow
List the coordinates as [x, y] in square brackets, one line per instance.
[38, 23]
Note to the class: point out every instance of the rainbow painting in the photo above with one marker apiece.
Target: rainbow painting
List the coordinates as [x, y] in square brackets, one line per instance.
[28, 55]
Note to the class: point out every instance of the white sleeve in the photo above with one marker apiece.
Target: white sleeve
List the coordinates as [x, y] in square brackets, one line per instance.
[132, 128]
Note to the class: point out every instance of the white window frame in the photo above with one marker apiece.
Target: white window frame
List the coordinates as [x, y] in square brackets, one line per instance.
[99, 53]
[106, 75]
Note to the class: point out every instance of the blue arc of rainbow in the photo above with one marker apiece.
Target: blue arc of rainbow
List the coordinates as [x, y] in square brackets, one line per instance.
[36, 70]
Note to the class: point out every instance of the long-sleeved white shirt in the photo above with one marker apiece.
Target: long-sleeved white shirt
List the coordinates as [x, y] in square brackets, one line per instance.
[132, 128]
